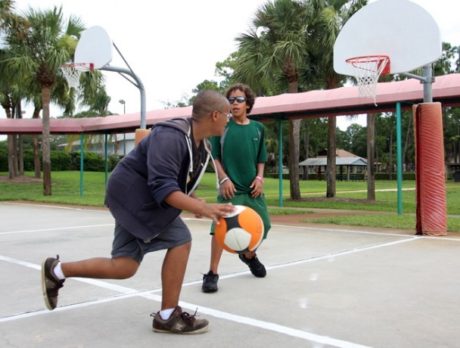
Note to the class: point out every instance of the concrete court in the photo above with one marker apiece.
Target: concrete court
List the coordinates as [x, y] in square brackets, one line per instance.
[325, 288]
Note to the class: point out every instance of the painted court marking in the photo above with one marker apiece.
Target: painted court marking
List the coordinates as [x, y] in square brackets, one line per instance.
[58, 229]
[125, 292]
[129, 292]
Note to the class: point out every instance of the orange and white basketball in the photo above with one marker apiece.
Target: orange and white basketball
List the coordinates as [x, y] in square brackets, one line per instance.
[240, 231]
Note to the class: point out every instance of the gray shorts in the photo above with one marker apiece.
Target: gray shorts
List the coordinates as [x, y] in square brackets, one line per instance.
[125, 244]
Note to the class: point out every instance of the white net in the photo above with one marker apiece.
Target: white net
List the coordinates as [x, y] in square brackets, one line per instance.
[367, 73]
[72, 73]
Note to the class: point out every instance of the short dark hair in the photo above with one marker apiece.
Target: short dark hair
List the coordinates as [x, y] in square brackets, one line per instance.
[206, 102]
[250, 96]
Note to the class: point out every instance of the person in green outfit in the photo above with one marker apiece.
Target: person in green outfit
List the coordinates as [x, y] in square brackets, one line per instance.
[240, 155]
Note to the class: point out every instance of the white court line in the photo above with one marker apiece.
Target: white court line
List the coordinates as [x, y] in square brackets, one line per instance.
[40, 205]
[307, 228]
[57, 229]
[216, 313]
[129, 292]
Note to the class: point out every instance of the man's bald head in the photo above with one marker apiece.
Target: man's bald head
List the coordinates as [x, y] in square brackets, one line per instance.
[206, 102]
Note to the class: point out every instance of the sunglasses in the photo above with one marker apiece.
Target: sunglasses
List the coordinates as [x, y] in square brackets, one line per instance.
[239, 100]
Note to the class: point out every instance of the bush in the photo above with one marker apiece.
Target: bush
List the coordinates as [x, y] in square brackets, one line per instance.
[60, 160]
[3, 159]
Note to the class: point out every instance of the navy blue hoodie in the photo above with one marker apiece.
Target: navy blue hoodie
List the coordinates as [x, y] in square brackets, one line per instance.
[159, 165]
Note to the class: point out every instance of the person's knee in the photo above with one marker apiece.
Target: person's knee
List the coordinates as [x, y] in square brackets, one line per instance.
[185, 248]
[126, 267]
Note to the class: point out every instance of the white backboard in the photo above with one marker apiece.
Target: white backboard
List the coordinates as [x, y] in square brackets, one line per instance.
[400, 29]
[94, 46]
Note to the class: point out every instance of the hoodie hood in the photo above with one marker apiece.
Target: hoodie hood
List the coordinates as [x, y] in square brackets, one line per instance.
[182, 124]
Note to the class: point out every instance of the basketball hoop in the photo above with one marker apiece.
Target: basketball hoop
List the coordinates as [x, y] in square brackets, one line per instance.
[367, 72]
[72, 72]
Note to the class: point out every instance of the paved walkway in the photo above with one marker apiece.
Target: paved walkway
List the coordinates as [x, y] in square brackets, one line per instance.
[326, 287]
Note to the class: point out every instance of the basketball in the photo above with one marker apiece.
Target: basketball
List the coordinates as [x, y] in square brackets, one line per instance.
[240, 231]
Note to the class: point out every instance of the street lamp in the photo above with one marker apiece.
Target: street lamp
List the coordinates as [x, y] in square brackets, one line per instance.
[123, 102]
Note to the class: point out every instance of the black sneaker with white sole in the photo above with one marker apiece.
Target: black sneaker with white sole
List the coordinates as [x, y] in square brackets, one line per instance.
[256, 267]
[50, 283]
[210, 282]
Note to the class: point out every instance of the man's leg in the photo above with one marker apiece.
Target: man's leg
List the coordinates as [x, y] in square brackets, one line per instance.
[172, 274]
[216, 255]
[211, 278]
[102, 268]
[54, 273]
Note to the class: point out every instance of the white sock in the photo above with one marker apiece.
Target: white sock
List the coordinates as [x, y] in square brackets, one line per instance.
[58, 271]
[166, 313]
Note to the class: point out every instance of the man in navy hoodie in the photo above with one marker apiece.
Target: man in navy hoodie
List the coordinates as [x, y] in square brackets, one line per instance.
[146, 193]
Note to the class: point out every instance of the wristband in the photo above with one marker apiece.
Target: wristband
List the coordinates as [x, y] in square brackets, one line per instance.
[223, 180]
[260, 179]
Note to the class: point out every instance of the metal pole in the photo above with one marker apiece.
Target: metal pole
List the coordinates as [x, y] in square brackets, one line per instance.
[427, 83]
[82, 155]
[138, 84]
[427, 80]
[399, 157]
[122, 101]
[280, 163]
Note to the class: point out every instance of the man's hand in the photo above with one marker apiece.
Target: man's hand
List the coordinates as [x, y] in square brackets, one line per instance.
[214, 211]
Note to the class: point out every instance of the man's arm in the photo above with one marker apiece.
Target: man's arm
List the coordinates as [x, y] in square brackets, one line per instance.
[180, 200]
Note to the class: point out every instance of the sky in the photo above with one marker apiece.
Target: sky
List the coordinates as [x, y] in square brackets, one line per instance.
[174, 45]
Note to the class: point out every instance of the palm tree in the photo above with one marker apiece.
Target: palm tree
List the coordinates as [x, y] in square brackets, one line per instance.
[11, 83]
[6, 7]
[328, 18]
[271, 58]
[38, 55]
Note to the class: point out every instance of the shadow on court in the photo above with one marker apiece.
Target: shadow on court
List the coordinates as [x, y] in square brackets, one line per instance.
[325, 288]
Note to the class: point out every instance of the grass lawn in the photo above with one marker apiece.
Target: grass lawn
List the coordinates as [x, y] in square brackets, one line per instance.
[351, 195]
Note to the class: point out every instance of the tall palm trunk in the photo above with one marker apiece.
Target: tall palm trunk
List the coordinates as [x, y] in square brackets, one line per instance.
[306, 141]
[294, 145]
[331, 170]
[331, 154]
[294, 148]
[46, 153]
[11, 148]
[37, 167]
[370, 157]
[20, 143]
[12, 163]
[20, 155]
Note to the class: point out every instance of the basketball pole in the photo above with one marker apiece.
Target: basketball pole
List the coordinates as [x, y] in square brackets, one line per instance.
[142, 131]
[137, 82]
[427, 80]
[431, 211]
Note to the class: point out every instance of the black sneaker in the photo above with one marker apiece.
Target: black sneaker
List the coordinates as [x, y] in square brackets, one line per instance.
[50, 283]
[210, 282]
[179, 323]
[256, 267]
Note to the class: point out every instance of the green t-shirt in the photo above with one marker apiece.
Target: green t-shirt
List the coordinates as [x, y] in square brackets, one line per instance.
[239, 151]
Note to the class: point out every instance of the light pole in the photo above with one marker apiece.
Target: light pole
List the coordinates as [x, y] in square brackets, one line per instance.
[123, 102]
